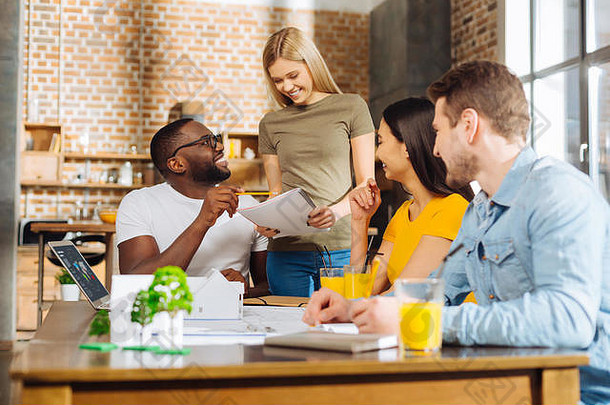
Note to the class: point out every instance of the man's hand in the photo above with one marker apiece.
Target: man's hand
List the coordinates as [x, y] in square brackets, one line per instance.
[364, 201]
[217, 200]
[326, 306]
[377, 315]
[321, 217]
[234, 275]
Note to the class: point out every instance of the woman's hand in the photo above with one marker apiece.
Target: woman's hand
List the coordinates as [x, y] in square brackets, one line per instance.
[321, 217]
[268, 232]
[364, 201]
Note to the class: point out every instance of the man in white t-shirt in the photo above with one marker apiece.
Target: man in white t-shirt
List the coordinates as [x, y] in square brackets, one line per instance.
[189, 221]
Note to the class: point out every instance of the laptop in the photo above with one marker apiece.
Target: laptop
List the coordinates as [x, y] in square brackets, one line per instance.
[74, 262]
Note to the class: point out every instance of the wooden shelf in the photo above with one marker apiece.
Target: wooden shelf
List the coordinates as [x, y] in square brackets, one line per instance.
[40, 125]
[106, 156]
[242, 160]
[242, 135]
[39, 153]
[42, 183]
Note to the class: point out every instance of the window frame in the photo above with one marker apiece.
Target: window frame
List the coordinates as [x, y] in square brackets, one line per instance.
[589, 163]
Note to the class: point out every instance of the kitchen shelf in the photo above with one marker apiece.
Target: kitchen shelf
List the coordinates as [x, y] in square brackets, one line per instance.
[242, 160]
[107, 156]
[113, 186]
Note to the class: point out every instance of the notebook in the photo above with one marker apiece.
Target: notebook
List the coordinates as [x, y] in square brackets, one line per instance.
[286, 212]
[340, 342]
[81, 272]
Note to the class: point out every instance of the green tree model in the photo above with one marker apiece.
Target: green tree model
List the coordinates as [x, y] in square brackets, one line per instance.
[142, 311]
[170, 293]
[100, 325]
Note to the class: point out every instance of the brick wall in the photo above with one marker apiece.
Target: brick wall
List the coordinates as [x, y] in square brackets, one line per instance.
[474, 30]
[112, 70]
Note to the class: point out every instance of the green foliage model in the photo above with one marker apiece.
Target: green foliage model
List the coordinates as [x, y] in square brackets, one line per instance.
[100, 324]
[142, 311]
[64, 277]
[169, 291]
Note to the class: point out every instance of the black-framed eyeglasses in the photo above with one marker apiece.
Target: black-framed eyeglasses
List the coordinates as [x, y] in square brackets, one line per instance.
[210, 140]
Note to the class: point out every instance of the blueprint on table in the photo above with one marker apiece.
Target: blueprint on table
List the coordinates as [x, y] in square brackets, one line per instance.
[258, 322]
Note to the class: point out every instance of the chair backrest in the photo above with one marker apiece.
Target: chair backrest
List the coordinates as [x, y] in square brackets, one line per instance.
[92, 258]
[27, 237]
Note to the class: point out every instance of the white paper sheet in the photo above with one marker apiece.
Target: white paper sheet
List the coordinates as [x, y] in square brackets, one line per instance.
[258, 322]
[286, 212]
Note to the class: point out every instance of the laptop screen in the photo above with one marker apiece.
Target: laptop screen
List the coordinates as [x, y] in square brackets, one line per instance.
[80, 271]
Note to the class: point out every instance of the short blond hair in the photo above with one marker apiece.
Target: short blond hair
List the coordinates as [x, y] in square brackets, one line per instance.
[291, 43]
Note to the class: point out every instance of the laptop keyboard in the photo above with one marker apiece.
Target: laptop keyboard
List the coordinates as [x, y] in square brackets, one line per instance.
[105, 305]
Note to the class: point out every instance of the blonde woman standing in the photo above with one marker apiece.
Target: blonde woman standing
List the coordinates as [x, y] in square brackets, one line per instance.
[309, 143]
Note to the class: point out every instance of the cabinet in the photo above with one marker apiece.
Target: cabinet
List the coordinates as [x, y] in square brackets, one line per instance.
[246, 166]
[41, 156]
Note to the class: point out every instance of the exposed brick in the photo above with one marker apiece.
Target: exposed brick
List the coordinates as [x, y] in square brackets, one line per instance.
[114, 82]
[473, 30]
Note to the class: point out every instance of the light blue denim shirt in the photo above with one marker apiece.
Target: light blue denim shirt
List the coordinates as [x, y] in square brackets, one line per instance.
[537, 256]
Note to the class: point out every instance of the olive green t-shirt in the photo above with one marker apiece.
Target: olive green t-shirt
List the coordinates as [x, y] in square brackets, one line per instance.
[312, 143]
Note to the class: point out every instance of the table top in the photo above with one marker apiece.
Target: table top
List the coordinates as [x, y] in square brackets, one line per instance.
[53, 356]
[79, 226]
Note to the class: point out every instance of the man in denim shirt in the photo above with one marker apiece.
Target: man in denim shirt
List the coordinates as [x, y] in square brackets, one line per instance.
[535, 242]
[534, 245]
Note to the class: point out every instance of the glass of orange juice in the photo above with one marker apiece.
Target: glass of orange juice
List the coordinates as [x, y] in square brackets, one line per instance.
[332, 277]
[420, 313]
[357, 281]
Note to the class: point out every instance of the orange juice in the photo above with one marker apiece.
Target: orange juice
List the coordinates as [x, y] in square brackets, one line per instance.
[420, 325]
[334, 283]
[356, 285]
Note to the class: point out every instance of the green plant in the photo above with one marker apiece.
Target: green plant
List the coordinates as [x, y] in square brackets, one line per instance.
[170, 293]
[143, 310]
[63, 277]
[100, 324]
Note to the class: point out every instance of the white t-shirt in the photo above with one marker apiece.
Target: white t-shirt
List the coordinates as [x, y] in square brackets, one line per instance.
[164, 213]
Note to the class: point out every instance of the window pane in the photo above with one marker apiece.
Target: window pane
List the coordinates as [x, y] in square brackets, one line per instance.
[556, 32]
[527, 88]
[599, 127]
[517, 36]
[557, 117]
[598, 24]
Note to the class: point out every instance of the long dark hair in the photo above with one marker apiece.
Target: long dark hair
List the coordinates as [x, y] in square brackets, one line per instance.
[410, 121]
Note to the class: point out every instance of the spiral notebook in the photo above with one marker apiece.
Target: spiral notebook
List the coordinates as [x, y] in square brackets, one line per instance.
[286, 212]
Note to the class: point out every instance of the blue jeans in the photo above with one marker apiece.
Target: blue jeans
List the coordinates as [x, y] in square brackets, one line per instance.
[297, 273]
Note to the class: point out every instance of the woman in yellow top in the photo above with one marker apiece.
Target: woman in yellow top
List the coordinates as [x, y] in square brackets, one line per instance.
[419, 235]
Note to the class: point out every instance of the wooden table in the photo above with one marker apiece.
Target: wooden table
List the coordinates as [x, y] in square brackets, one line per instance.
[53, 370]
[90, 227]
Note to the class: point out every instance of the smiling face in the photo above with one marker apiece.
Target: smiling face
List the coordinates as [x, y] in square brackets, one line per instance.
[392, 153]
[293, 80]
[450, 145]
[205, 164]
